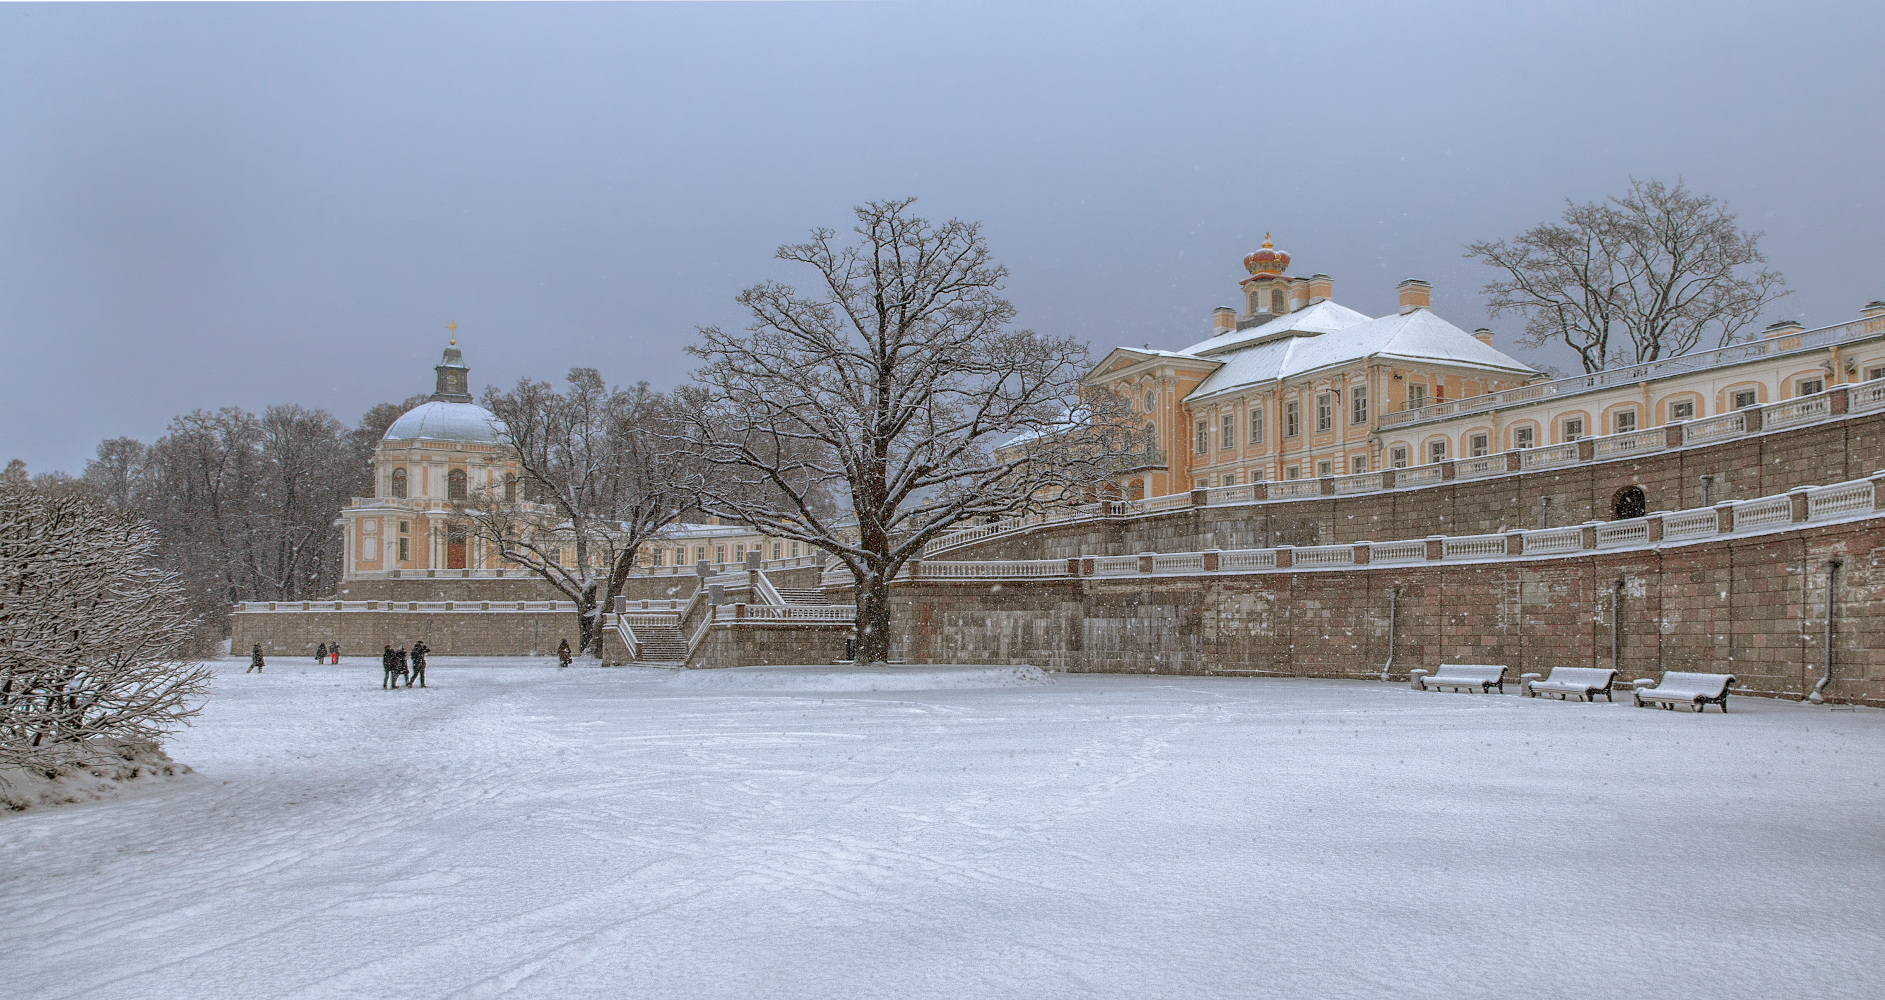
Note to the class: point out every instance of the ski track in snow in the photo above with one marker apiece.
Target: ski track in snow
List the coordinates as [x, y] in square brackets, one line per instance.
[522, 831]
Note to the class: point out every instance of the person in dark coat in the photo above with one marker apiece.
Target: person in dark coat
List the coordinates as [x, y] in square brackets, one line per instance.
[320, 653]
[386, 665]
[255, 659]
[333, 650]
[562, 653]
[399, 668]
[419, 649]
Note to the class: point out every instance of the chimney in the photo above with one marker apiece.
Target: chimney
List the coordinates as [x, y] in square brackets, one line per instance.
[1483, 335]
[1298, 293]
[1873, 309]
[1223, 319]
[1415, 294]
[1784, 328]
[1321, 288]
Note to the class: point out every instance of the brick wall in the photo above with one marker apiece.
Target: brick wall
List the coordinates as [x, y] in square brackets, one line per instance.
[1754, 607]
[761, 645]
[1757, 466]
[362, 634]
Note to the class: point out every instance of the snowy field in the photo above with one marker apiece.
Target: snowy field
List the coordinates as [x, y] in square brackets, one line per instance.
[522, 831]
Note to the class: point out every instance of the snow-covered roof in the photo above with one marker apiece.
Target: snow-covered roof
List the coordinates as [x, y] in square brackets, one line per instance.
[1326, 316]
[1414, 336]
[442, 421]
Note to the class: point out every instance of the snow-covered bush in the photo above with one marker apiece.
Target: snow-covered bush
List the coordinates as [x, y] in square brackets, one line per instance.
[92, 634]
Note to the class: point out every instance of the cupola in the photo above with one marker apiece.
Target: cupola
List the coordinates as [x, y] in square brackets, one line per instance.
[454, 379]
[1266, 261]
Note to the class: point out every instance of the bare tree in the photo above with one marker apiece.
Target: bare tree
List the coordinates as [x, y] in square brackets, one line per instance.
[1648, 275]
[896, 388]
[92, 634]
[599, 477]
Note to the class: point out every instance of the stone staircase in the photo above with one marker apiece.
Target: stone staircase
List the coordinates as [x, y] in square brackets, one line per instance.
[661, 645]
[802, 596]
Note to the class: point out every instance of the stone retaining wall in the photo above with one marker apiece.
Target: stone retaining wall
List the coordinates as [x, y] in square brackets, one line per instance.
[1745, 468]
[365, 633]
[1751, 606]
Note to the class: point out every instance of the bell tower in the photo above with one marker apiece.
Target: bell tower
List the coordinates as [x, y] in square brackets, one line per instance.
[454, 379]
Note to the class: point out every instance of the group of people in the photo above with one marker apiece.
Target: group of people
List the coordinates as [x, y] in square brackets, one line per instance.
[398, 665]
[326, 650]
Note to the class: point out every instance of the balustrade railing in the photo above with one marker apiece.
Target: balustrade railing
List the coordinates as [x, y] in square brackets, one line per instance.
[1323, 555]
[1715, 428]
[1696, 523]
[1549, 541]
[1410, 550]
[1765, 513]
[1473, 547]
[1548, 457]
[1795, 412]
[1634, 531]
[1633, 443]
[1475, 468]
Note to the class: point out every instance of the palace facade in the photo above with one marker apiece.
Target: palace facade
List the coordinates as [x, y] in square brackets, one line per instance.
[1298, 386]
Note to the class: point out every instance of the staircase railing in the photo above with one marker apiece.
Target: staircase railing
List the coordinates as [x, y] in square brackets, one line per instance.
[765, 591]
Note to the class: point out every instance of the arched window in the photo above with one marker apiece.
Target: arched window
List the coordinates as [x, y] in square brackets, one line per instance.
[1629, 502]
[455, 485]
[510, 486]
[1277, 301]
[399, 483]
[1151, 435]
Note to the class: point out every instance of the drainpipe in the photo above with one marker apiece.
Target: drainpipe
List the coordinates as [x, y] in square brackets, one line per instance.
[1392, 594]
[1818, 697]
[1616, 617]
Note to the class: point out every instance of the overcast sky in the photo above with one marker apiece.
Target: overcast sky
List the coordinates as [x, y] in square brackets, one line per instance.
[207, 206]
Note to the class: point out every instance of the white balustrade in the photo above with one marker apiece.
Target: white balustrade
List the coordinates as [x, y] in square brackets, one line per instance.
[1178, 562]
[1690, 523]
[1634, 531]
[1866, 396]
[1765, 513]
[1546, 541]
[1703, 431]
[1548, 457]
[1246, 560]
[1419, 475]
[1413, 550]
[1473, 547]
[1230, 494]
[1323, 555]
[1119, 565]
[1634, 443]
[1476, 468]
[1295, 489]
[1794, 412]
[1845, 498]
[1361, 482]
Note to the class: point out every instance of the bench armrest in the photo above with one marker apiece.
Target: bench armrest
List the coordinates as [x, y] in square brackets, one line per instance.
[1642, 682]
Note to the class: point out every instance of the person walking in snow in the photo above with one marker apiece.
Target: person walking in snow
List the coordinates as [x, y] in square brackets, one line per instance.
[320, 653]
[386, 666]
[562, 653]
[333, 650]
[419, 649]
[399, 668]
[255, 659]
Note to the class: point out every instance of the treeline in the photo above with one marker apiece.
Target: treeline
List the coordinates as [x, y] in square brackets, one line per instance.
[243, 504]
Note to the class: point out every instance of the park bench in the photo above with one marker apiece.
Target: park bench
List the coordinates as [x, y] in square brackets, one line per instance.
[1696, 690]
[1585, 682]
[1458, 676]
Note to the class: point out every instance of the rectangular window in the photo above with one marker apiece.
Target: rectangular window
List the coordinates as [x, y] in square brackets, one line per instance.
[1325, 415]
[1230, 479]
[1436, 451]
[1292, 472]
[778, 550]
[1358, 405]
[1358, 465]
[1398, 458]
[1480, 445]
[1522, 437]
[405, 550]
[1416, 396]
[1574, 428]
[1745, 398]
[1292, 419]
[795, 550]
[1228, 433]
[1201, 484]
[1808, 386]
[720, 554]
[1625, 421]
[1256, 475]
[1874, 373]
[1204, 436]
[1256, 423]
[1325, 469]
[1682, 409]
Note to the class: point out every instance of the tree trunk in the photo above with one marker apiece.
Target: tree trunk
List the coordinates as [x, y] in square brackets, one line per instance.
[873, 621]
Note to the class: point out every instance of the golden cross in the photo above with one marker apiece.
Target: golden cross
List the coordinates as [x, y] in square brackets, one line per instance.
[453, 326]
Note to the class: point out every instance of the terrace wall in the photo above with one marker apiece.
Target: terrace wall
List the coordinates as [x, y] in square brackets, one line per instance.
[1754, 466]
[1752, 606]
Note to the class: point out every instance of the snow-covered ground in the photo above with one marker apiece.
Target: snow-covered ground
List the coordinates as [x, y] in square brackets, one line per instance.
[523, 831]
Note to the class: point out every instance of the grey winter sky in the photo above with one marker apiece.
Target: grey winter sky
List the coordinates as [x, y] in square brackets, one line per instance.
[204, 206]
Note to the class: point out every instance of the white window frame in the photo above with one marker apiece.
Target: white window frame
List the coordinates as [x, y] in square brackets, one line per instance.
[1358, 405]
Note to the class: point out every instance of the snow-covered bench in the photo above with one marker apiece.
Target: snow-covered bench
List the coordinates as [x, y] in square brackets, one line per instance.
[1484, 676]
[1585, 682]
[1696, 690]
